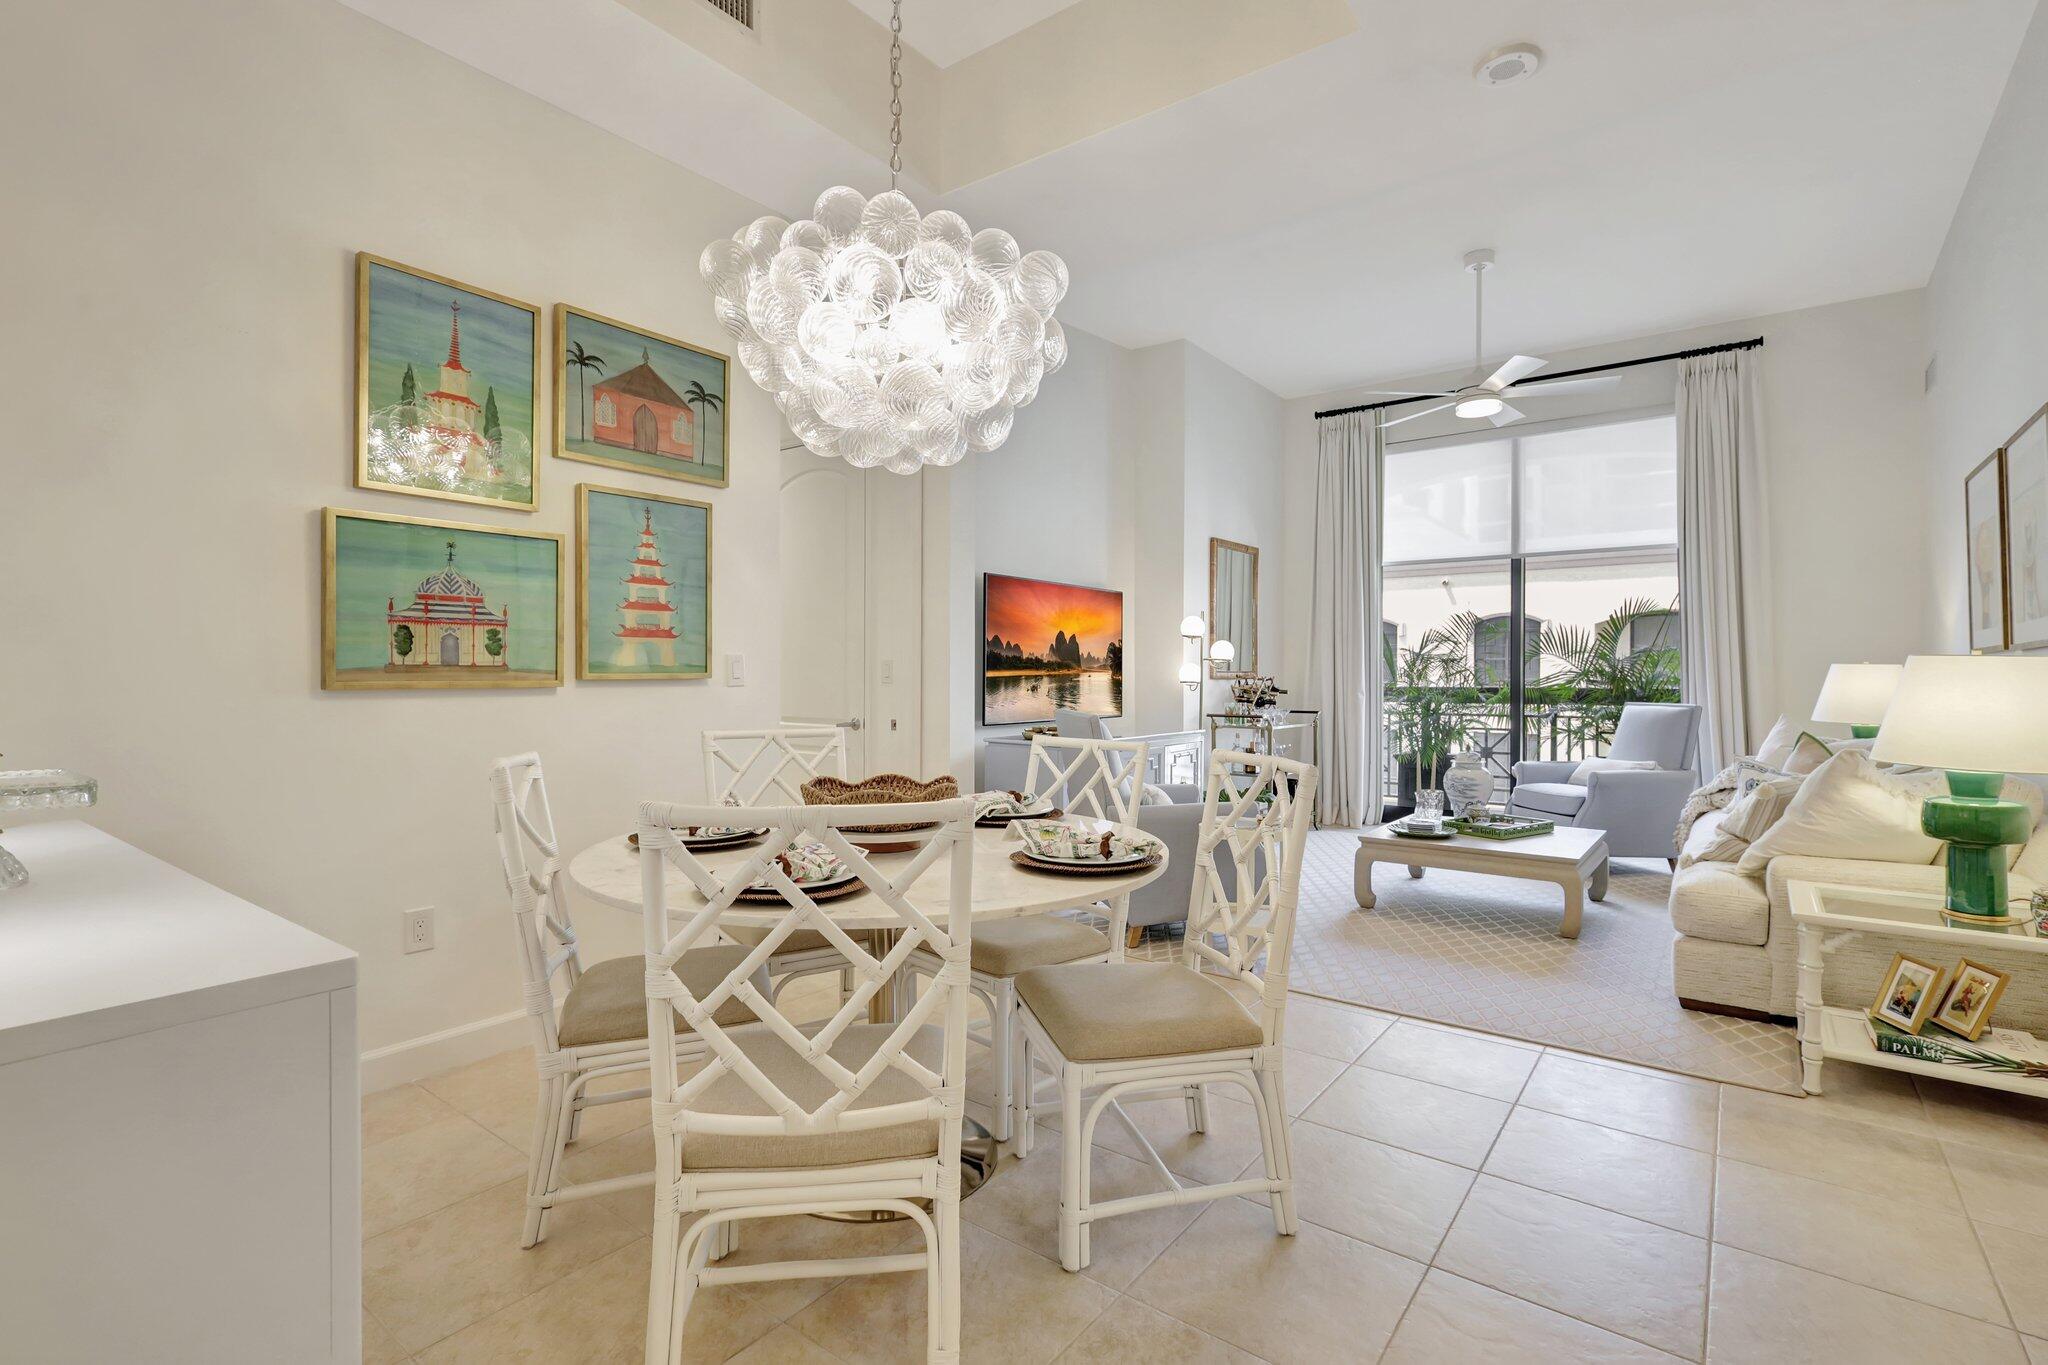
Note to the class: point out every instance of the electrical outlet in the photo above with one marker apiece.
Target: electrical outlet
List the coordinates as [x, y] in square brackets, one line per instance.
[418, 929]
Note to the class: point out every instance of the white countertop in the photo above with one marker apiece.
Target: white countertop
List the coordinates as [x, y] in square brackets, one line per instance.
[106, 941]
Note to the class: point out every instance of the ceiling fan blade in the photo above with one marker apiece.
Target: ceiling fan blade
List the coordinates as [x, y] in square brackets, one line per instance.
[1413, 415]
[1515, 367]
[1505, 416]
[1408, 393]
[1539, 387]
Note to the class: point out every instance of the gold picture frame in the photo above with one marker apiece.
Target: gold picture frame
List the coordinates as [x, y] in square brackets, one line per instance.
[360, 567]
[706, 404]
[1973, 991]
[588, 670]
[1223, 625]
[1987, 595]
[367, 264]
[1908, 993]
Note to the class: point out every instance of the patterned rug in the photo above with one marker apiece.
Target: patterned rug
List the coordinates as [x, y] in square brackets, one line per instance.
[1483, 953]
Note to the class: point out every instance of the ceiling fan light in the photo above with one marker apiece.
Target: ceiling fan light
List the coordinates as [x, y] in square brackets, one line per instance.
[1484, 405]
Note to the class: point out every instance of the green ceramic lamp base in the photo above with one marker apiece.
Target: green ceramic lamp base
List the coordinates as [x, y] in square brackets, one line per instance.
[1976, 825]
[1863, 732]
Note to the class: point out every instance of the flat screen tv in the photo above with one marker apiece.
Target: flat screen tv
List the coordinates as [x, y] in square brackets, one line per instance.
[1047, 645]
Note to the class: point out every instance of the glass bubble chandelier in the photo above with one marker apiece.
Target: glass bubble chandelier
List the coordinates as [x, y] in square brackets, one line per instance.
[888, 338]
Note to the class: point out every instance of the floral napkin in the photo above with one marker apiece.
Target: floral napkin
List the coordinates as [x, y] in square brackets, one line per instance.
[808, 864]
[1073, 844]
[1007, 803]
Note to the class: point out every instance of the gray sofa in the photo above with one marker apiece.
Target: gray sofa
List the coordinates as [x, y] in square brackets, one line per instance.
[1638, 809]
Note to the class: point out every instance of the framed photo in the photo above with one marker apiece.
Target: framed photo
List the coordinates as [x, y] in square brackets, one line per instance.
[1984, 548]
[1049, 645]
[447, 378]
[413, 603]
[1972, 992]
[1908, 994]
[635, 399]
[643, 585]
[2026, 517]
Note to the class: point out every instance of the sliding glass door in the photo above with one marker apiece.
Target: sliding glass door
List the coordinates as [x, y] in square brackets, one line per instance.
[1554, 545]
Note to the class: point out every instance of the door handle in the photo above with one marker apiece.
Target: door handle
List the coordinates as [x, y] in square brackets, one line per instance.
[853, 724]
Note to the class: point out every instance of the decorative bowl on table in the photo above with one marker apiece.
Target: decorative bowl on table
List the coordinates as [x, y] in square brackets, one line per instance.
[28, 790]
[883, 789]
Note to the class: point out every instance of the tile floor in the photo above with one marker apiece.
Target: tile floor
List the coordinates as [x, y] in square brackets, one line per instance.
[1464, 1198]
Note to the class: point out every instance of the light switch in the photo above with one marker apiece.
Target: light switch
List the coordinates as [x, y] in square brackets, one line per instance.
[888, 670]
[735, 670]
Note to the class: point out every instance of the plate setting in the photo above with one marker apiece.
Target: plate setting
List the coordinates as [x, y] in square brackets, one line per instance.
[1101, 850]
[817, 872]
[995, 809]
[708, 839]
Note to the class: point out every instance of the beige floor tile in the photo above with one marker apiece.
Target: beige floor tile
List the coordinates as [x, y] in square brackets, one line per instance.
[1984, 1118]
[1305, 1075]
[1331, 1030]
[1453, 1319]
[1462, 1061]
[785, 1346]
[505, 1076]
[1211, 1158]
[627, 1154]
[1628, 1098]
[1855, 1235]
[1016, 1306]
[438, 1274]
[802, 1238]
[2001, 1187]
[1658, 1182]
[1634, 1278]
[1764, 1131]
[430, 1168]
[400, 1110]
[1129, 1333]
[1766, 1312]
[511, 1117]
[1022, 1202]
[1372, 1192]
[1861, 1094]
[379, 1346]
[1449, 1125]
[2037, 1349]
[2019, 1260]
[599, 1314]
[1481, 1034]
[1316, 1296]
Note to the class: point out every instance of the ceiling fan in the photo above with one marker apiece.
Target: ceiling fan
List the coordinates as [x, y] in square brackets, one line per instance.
[1488, 397]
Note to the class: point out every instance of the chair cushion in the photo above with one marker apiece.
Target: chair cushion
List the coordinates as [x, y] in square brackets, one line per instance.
[1103, 1011]
[799, 1080]
[1715, 901]
[1552, 798]
[608, 1003]
[1663, 732]
[1006, 947]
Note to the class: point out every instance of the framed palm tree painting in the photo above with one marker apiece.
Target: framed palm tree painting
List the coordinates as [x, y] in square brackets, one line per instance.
[635, 399]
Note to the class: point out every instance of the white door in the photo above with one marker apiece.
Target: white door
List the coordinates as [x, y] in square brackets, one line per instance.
[824, 598]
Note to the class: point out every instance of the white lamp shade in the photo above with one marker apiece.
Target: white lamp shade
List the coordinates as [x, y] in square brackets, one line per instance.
[1222, 652]
[1857, 694]
[1978, 713]
[1193, 627]
[1191, 672]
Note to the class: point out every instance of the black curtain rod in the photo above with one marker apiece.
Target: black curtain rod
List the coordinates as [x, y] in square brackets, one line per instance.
[1750, 344]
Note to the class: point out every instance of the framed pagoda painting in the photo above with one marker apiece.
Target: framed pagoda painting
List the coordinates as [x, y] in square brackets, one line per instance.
[635, 399]
[643, 585]
[413, 603]
[447, 382]
[1984, 554]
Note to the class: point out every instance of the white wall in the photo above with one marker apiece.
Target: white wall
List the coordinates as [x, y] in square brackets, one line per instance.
[1845, 438]
[1987, 307]
[188, 185]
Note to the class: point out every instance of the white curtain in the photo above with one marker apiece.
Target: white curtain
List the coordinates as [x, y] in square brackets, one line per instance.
[1723, 547]
[1344, 667]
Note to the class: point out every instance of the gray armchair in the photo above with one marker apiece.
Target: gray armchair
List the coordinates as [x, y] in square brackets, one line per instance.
[1638, 809]
[1176, 820]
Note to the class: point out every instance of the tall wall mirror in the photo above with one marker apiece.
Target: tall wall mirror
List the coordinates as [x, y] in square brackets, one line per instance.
[1234, 605]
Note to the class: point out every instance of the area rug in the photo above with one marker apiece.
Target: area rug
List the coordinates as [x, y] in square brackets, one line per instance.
[1483, 953]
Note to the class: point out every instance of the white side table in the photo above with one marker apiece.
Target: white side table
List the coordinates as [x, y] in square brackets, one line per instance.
[1830, 916]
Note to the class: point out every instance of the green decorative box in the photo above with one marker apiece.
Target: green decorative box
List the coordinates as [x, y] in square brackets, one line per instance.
[1503, 827]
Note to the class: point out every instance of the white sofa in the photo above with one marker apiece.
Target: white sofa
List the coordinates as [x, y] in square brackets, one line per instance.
[1736, 950]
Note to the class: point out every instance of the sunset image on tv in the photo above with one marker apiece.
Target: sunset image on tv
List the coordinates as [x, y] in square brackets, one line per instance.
[1049, 645]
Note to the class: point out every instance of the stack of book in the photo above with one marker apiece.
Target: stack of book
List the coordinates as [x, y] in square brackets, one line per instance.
[1999, 1049]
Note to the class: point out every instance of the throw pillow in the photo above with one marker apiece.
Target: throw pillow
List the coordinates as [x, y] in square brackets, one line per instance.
[1808, 753]
[1851, 808]
[1750, 771]
[1582, 774]
[1777, 745]
[1748, 818]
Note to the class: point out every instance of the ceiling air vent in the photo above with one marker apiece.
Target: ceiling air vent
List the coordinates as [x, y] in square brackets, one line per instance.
[739, 11]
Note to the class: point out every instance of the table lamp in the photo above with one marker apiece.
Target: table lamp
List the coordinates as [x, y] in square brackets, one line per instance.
[1979, 716]
[1856, 695]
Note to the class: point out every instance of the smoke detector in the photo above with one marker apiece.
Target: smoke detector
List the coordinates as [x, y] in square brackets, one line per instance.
[1505, 65]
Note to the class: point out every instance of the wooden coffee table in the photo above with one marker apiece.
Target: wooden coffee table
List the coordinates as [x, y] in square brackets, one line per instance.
[1574, 858]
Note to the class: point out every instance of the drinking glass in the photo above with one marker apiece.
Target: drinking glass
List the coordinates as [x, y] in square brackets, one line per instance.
[1429, 806]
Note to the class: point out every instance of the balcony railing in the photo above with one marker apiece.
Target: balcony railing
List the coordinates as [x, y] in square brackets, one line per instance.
[1565, 730]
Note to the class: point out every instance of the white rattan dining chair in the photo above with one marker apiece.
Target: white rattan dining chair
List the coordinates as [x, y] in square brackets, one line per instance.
[780, 1121]
[770, 766]
[1129, 1029]
[1102, 778]
[601, 1030]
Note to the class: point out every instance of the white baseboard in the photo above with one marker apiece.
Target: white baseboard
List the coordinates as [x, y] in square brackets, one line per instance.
[385, 1067]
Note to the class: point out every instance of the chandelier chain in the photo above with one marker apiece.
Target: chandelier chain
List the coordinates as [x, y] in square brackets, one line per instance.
[895, 92]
